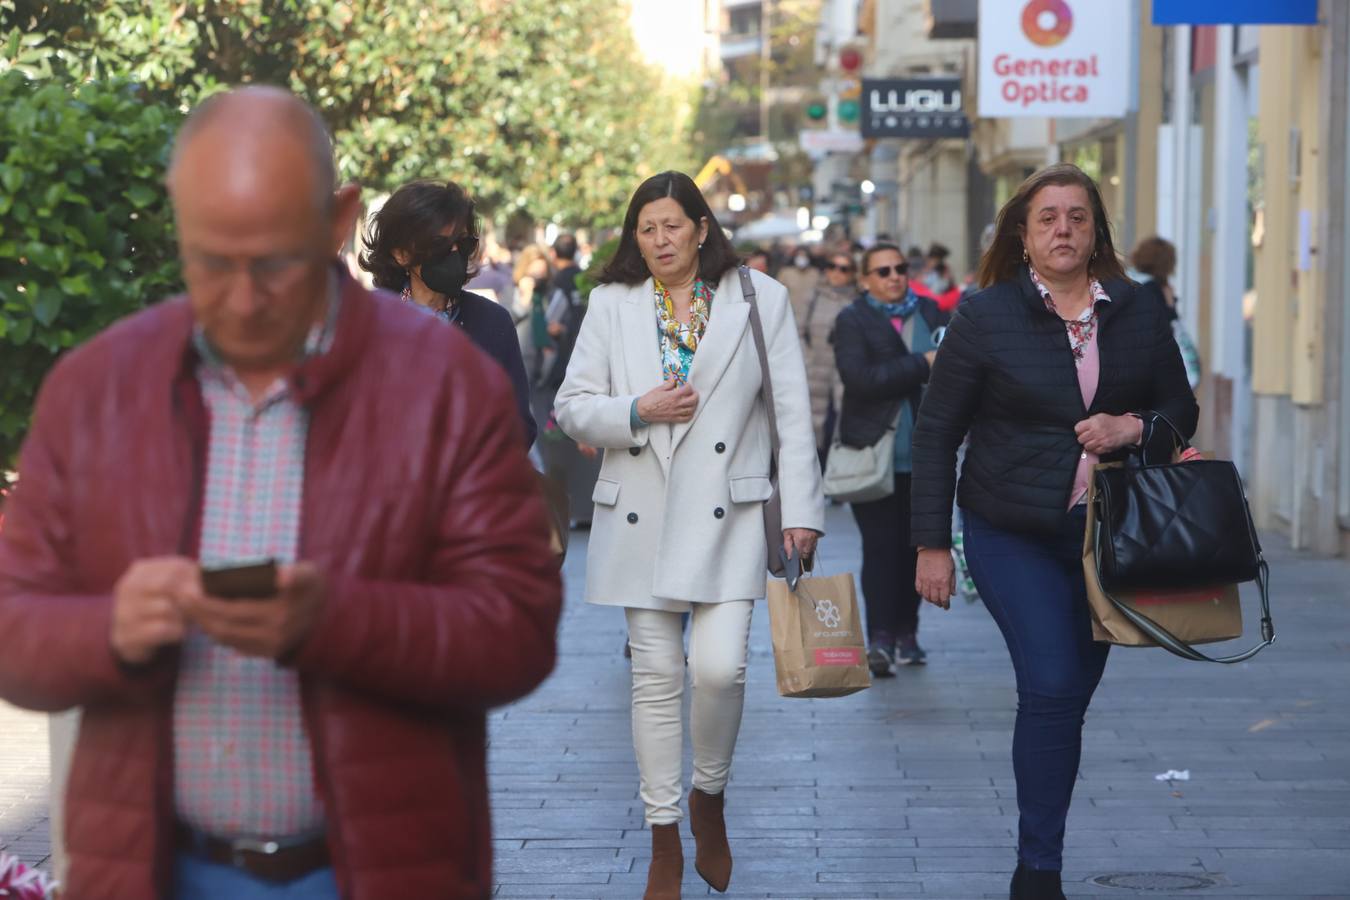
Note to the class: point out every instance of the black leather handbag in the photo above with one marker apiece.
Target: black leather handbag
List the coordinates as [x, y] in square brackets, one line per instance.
[1175, 525]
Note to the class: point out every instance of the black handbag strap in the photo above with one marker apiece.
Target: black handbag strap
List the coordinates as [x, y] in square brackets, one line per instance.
[1179, 440]
[1173, 644]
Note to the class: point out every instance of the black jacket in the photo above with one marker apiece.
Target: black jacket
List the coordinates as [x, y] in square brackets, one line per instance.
[490, 327]
[877, 370]
[1005, 373]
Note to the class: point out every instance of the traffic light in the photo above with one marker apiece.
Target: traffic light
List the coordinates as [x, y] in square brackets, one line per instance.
[849, 110]
[816, 111]
[850, 60]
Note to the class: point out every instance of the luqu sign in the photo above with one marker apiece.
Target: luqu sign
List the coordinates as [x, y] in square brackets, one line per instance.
[913, 108]
[1055, 58]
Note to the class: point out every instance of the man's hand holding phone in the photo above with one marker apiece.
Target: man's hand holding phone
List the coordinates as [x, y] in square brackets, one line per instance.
[147, 611]
[260, 610]
[258, 624]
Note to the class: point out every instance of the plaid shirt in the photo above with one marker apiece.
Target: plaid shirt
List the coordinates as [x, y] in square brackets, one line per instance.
[242, 760]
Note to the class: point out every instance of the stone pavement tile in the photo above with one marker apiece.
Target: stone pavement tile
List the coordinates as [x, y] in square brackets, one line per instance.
[906, 790]
[917, 771]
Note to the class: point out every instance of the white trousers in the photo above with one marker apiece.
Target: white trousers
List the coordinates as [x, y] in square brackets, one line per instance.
[718, 641]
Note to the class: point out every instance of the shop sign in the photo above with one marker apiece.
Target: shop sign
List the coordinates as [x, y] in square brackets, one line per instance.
[913, 108]
[1234, 12]
[1070, 58]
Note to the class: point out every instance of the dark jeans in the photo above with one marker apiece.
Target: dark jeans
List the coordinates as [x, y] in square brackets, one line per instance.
[888, 563]
[1034, 588]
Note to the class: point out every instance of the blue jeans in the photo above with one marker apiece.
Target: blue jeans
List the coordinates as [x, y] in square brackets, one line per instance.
[194, 878]
[1034, 588]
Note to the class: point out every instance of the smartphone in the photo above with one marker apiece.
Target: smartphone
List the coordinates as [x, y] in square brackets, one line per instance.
[247, 581]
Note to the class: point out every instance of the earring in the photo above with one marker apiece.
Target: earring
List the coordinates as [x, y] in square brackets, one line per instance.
[1025, 258]
[700, 245]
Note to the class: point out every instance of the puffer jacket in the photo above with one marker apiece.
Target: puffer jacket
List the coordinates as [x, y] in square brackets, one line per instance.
[420, 507]
[1005, 374]
[878, 371]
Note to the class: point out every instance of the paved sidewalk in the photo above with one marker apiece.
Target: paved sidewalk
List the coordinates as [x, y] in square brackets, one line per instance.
[906, 790]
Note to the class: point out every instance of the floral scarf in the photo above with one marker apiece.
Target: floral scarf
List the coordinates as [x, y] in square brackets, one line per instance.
[1082, 329]
[679, 342]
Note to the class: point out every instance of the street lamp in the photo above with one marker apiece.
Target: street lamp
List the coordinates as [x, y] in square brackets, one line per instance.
[868, 187]
[736, 203]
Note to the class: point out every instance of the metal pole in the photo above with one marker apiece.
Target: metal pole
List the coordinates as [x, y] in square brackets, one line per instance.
[765, 60]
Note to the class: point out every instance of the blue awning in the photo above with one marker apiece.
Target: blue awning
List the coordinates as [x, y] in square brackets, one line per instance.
[1234, 12]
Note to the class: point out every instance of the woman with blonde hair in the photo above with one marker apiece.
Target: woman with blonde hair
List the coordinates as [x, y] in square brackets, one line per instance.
[533, 275]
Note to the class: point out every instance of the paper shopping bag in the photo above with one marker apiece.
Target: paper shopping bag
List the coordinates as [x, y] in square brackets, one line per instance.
[1194, 615]
[818, 646]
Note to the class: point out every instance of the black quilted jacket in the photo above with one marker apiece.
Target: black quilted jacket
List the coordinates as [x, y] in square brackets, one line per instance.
[1006, 375]
[877, 370]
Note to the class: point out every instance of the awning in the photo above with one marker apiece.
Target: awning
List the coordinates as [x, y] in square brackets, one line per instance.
[952, 18]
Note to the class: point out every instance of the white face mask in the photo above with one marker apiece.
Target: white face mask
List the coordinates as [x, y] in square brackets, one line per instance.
[801, 260]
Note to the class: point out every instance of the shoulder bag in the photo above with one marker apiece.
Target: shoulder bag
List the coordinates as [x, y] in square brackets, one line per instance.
[776, 561]
[1173, 526]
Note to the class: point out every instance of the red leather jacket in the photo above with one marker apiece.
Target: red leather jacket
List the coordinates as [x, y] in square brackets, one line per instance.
[419, 503]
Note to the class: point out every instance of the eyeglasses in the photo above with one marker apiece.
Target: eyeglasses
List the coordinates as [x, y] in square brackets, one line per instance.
[886, 271]
[270, 274]
[835, 267]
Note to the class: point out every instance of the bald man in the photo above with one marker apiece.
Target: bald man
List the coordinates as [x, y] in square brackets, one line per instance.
[312, 726]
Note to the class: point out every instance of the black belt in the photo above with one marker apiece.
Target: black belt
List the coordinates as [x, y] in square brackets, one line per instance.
[268, 860]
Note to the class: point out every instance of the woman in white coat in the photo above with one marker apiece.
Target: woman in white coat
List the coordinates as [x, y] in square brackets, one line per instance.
[665, 378]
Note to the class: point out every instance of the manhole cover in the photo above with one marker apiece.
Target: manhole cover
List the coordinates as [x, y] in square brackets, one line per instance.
[1155, 881]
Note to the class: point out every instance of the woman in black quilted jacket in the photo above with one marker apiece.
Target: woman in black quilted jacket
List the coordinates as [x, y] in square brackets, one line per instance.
[1052, 367]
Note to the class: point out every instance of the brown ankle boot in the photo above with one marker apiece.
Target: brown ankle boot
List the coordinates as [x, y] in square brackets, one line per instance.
[667, 868]
[713, 857]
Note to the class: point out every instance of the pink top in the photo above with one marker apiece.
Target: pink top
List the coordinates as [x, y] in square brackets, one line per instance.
[1082, 333]
[1089, 373]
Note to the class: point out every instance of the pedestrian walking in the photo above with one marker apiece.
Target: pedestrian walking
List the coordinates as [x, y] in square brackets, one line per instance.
[494, 279]
[666, 378]
[534, 280]
[314, 727]
[423, 244]
[884, 346]
[1154, 260]
[1049, 368]
[801, 279]
[836, 291]
[565, 309]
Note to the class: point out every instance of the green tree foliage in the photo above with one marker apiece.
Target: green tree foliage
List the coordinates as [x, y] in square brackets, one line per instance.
[543, 106]
[85, 231]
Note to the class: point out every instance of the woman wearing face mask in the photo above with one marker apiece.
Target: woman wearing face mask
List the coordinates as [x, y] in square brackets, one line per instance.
[884, 347]
[423, 244]
[801, 278]
[836, 291]
[665, 376]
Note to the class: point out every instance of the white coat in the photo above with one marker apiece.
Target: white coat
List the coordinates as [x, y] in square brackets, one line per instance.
[679, 508]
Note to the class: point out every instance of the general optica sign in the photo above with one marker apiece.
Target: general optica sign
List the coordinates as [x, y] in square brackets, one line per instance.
[1070, 58]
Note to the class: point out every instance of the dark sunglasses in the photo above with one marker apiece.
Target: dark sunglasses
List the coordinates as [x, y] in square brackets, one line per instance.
[440, 247]
[885, 271]
[835, 267]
